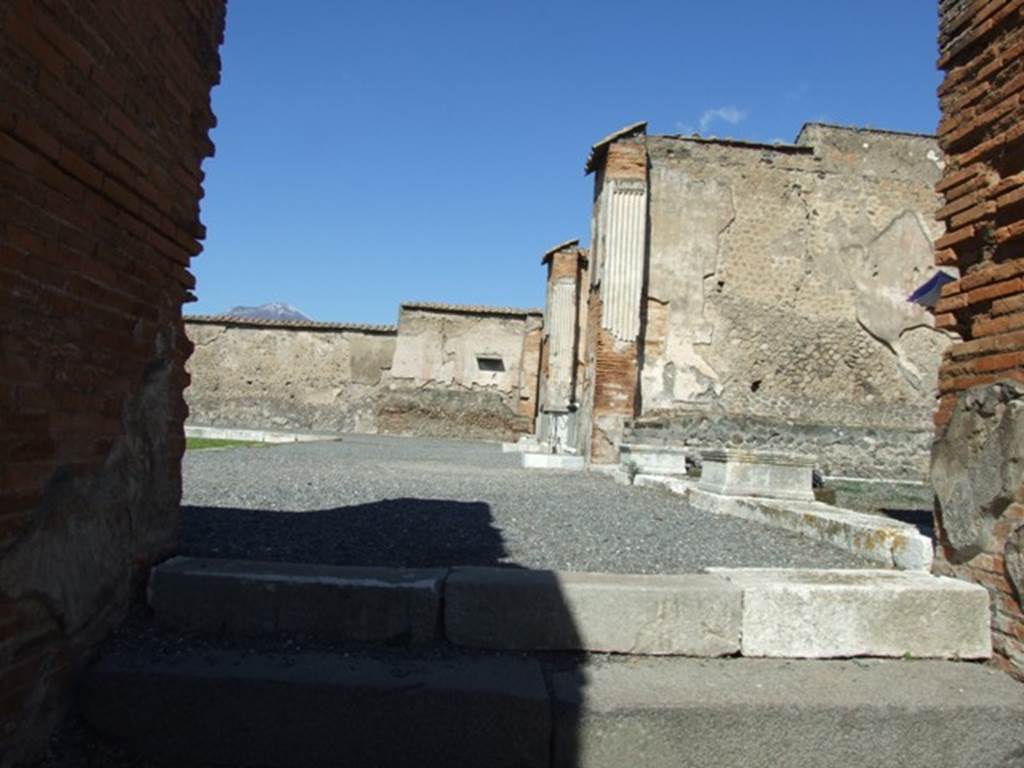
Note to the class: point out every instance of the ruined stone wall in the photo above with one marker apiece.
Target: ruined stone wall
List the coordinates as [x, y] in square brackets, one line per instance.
[440, 383]
[978, 461]
[777, 287]
[264, 374]
[103, 128]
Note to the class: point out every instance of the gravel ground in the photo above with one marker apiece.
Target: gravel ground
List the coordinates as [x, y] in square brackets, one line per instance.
[390, 501]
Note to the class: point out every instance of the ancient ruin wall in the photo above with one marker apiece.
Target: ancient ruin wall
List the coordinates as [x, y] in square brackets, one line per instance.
[460, 372]
[978, 462]
[289, 376]
[776, 300]
[103, 129]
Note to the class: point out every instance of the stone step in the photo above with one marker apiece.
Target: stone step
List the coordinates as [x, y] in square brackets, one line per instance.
[217, 707]
[512, 609]
[752, 612]
[803, 613]
[238, 597]
[229, 708]
[737, 713]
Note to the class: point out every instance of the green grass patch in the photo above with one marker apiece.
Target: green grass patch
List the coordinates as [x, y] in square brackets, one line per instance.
[201, 443]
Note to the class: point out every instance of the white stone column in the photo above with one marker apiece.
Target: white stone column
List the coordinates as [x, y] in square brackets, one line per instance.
[624, 245]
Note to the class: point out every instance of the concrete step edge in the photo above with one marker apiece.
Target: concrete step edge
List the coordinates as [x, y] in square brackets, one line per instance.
[797, 613]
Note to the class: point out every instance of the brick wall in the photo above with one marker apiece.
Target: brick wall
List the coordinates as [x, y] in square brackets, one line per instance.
[615, 385]
[982, 131]
[529, 375]
[104, 120]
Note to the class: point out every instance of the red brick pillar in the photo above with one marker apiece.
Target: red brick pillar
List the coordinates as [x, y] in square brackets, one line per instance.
[103, 129]
[980, 418]
[619, 256]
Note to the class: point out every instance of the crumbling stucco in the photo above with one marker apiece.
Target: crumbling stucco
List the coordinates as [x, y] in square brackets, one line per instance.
[459, 374]
[322, 379]
[778, 279]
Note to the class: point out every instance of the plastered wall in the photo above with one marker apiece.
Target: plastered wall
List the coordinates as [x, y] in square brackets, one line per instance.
[319, 377]
[430, 375]
[777, 285]
[442, 381]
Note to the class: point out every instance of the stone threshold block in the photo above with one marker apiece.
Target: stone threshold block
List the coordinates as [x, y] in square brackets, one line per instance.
[748, 713]
[767, 474]
[525, 444]
[674, 483]
[553, 461]
[258, 435]
[311, 710]
[890, 543]
[820, 614]
[653, 459]
[247, 598]
[521, 610]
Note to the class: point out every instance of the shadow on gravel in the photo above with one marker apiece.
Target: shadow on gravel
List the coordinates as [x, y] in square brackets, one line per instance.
[416, 533]
[471, 697]
[398, 533]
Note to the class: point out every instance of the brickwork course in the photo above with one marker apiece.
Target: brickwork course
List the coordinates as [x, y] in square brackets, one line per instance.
[615, 379]
[104, 121]
[982, 132]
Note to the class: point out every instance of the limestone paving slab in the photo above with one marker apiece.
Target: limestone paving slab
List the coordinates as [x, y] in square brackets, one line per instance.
[807, 613]
[258, 435]
[309, 710]
[246, 597]
[513, 609]
[740, 713]
[888, 542]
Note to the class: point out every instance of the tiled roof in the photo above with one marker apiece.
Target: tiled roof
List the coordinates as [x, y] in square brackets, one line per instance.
[299, 325]
[597, 151]
[469, 309]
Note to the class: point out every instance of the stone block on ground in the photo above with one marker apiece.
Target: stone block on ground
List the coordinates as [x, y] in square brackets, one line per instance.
[553, 461]
[345, 603]
[311, 710]
[654, 459]
[512, 609]
[890, 543]
[766, 474]
[842, 613]
[740, 713]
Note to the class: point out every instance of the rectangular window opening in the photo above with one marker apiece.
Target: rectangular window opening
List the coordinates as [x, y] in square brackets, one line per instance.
[490, 363]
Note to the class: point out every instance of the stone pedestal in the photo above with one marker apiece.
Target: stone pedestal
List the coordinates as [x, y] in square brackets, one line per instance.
[763, 474]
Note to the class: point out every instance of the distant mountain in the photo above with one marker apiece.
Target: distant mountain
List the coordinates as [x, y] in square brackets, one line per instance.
[276, 310]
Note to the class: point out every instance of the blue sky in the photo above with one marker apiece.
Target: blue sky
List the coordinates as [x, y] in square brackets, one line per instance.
[374, 152]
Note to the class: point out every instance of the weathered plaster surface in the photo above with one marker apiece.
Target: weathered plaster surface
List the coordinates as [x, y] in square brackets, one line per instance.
[778, 280]
[324, 380]
[437, 385]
